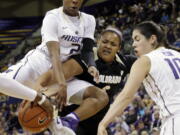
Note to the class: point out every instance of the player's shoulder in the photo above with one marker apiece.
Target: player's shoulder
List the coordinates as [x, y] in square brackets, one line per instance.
[157, 53]
[55, 11]
[88, 17]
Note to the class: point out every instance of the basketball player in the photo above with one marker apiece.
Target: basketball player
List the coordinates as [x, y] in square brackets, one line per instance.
[158, 68]
[20, 91]
[113, 68]
[65, 32]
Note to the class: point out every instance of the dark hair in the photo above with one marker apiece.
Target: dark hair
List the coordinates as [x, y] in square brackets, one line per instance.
[149, 28]
[116, 31]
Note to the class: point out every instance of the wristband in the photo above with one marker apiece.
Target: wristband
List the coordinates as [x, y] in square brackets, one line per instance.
[42, 100]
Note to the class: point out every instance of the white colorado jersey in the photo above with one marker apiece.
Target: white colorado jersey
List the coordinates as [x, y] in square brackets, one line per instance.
[163, 80]
[68, 31]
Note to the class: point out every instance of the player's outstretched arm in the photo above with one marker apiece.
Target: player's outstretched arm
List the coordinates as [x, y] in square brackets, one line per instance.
[138, 72]
[13, 88]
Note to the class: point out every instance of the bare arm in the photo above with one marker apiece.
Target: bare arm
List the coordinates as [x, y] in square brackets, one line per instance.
[54, 50]
[138, 72]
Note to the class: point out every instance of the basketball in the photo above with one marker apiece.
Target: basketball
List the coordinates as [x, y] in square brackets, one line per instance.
[33, 118]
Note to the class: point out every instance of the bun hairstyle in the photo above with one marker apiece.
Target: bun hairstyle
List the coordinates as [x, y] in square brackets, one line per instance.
[149, 28]
[116, 31]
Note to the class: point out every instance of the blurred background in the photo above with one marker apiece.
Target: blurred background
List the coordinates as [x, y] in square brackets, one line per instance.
[20, 25]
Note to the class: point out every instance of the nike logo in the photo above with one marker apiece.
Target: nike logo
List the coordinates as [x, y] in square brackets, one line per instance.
[41, 121]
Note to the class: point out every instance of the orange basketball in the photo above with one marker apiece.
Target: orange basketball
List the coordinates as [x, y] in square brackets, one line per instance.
[33, 118]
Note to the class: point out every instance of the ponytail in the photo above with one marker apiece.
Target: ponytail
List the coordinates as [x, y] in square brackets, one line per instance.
[167, 45]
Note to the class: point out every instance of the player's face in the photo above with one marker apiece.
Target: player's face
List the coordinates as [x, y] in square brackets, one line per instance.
[71, 7]
[108, 46]
[141, 44]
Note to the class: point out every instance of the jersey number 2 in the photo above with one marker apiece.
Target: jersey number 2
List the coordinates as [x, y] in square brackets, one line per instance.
[175, 66]
[74, 50]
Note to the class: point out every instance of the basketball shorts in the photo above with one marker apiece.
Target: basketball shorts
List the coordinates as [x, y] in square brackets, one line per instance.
[29, 68]
[34, 64]
[75, 90]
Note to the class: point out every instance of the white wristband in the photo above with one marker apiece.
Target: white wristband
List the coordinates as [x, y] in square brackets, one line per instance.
[42, 100]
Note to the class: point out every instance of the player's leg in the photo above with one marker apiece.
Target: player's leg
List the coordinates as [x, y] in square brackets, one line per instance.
[94, 99]
[23, 73]
[70, 67]
[90, 98]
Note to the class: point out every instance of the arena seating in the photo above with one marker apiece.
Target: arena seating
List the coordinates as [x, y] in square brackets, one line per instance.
[14, 30]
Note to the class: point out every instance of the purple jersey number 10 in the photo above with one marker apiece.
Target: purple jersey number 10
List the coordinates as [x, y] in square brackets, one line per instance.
[175, 66]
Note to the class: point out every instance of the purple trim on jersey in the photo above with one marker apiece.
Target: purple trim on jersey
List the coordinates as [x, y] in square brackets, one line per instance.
[151, 87]
[14, 77]
[167, 53]
[160, 94]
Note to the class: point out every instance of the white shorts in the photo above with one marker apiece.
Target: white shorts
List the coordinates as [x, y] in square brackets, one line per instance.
[29, 68]
[75, 90]
[34, 64]
[170, 126]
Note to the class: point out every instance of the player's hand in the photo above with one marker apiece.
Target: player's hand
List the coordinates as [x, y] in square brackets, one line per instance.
[106, 88]
[92, 70]
[61, 96]
[40, 88]
[102, 130]
[48, 106]
[45, 103]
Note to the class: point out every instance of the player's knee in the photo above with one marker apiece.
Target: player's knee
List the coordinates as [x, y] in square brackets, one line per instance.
[103, 97]
[68, 66]
[96, 93]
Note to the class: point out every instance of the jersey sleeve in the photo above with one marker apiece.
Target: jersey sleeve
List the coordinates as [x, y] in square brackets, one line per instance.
[49, 30]
[90, 27]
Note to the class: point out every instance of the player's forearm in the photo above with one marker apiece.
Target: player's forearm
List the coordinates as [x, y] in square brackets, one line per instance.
[44, 79]
[54, 50]
[57, 70]
[13, 88]
[87, 53]
[116, 108]
[88, 57]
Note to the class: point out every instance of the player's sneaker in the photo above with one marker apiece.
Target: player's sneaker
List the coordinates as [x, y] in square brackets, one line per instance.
[70, 122]
[63, 126]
